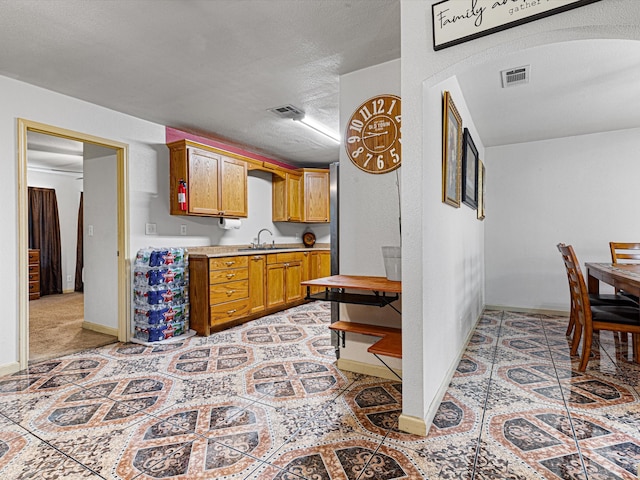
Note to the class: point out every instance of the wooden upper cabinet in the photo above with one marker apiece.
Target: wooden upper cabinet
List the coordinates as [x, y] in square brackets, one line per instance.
[216, 184]
[287, 197]
[202, 182]
[233, 187]
[301, 196]
[316, 195]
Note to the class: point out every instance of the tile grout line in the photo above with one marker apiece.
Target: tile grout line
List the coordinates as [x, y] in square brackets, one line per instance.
[42, 440]
[564, 401]
[486, 399]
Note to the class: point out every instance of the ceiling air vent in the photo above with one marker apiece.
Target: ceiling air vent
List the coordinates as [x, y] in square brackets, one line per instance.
[287, 111]
[515, 76]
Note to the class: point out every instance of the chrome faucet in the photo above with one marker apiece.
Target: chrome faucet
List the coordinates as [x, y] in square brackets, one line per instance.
[263, 230]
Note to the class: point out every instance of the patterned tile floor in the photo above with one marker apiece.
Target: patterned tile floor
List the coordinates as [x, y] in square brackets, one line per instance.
[265, 401]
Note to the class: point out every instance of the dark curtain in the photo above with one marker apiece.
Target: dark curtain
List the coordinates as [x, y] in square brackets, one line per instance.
[44, 235]
[79, 250]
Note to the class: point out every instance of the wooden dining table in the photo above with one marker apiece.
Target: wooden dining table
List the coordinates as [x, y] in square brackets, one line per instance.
[621, 276]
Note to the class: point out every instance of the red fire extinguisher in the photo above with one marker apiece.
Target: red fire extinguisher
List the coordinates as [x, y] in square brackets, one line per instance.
[182, 195]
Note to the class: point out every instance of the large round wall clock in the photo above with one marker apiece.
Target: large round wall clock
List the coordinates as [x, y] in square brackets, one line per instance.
[372, 138]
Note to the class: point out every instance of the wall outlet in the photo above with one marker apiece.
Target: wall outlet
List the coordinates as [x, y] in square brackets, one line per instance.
[150, 229]
[68, 278]
[90, 230]
[183, 229]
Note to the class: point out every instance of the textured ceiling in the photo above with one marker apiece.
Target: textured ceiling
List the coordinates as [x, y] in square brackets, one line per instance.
[575, 88]
[211, 67]
[214, 67]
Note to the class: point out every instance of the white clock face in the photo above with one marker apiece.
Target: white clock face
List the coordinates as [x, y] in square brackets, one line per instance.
[373, 135]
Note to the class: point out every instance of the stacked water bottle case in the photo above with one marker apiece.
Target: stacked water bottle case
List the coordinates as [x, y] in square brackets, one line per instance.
[161, 294]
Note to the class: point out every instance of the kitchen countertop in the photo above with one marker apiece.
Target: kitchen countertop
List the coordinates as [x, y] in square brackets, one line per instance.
[226, 250]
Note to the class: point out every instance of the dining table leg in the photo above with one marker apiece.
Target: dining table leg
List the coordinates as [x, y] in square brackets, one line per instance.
[593, 284]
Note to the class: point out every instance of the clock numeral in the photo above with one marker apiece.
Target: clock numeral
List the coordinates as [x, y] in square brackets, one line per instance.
[378, 106]
[380, 162]
[357, 152]
[394, 155]
[393, 104]
[398, 120]
[366, 162]
[353, 139]
[366, 114]
[356, 125]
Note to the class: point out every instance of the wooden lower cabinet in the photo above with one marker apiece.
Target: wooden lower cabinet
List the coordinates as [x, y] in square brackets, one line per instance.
[284, 274]
[257, 283]
[226, 291]
[319, 266]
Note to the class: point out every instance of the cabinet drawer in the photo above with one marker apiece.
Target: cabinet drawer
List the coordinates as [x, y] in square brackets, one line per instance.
[222, 263]
[34, 287]
[34, 257]
[229, 311]
[34, 276]
[225, 292]
[34, 268]
[285, 257]
[227, 275]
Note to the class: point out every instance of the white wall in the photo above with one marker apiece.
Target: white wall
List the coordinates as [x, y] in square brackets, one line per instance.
[68, 189]
[205, 231]
[431, 234]
[451, 280]
[148, 178]
[369, 209]
[574, 190]
[100, 236]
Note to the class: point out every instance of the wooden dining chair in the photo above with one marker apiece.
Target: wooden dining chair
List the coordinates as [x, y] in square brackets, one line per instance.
[588, 318]
[598, 300]
[625, 253]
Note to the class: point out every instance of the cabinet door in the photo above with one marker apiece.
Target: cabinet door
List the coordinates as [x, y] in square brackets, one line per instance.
[233, 187]
[294, 197]
[275, 285]
[202, 184]
[324, 264]
[257, 291]
[293, 277]
[279, 211]
[319, 266]
[287, 197]
[316, 197]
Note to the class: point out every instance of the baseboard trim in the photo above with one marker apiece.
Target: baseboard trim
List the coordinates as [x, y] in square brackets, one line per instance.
[541, 311]
[413, 425]
[367, 369]
[100, 328]
[444, 385]
[9, 368]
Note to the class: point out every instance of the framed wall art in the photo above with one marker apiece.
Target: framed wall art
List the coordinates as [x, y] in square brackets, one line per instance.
[481, 189]
[451, 152]
[457, 21]
[469, 171]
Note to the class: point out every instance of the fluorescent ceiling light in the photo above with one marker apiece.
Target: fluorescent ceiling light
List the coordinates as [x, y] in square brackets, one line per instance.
[318, 127]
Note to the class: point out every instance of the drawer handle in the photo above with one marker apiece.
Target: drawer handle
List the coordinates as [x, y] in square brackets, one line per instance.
[231, 275]
[229, 312]
[229, 263]
[230, 292]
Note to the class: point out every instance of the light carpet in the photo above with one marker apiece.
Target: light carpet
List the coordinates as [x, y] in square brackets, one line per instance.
[55, 327]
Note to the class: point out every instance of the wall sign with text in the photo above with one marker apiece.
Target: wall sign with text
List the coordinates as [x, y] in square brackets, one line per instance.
[457, 21]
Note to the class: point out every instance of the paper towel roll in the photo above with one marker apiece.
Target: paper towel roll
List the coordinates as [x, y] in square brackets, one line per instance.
[230, 223]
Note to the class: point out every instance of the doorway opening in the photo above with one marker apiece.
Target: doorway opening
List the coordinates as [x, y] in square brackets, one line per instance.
[108, 161]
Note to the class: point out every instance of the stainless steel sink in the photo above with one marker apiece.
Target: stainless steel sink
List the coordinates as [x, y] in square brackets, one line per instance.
[267, 249]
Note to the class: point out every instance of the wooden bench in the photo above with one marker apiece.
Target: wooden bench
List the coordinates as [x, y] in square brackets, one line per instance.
[390, 343]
